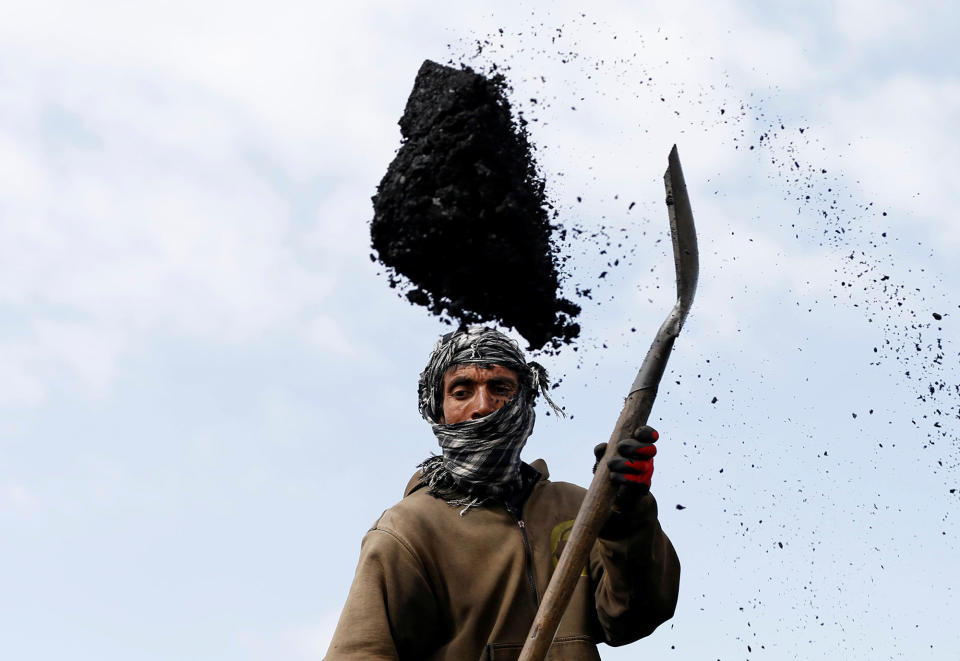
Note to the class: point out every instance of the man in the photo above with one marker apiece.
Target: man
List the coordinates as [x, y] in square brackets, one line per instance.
[455, 570]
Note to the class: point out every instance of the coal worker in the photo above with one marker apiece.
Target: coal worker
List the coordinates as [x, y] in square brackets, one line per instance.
[455, 570]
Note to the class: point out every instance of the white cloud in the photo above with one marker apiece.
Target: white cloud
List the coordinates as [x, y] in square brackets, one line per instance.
[133, 214]
[291, 67]
[149, 161]
[16, 497]
[743, 273]
[868, 21]
[22, 383]
[693, 33]
[340, 233]
[327, 333]
[88, 351]
[20, 174]
[892, 139]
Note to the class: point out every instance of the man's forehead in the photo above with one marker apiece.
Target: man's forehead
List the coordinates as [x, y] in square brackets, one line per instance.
[466, 369]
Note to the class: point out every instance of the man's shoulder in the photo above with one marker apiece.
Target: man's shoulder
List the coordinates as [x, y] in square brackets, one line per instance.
[555, 497]
[416, 511]
[556, 489]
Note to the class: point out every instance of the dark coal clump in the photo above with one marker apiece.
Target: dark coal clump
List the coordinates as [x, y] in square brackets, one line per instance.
[461, 212]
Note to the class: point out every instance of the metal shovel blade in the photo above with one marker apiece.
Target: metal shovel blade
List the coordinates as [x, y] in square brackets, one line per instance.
[686, 259]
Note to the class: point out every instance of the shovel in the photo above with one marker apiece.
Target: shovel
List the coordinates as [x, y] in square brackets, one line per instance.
[595, 509]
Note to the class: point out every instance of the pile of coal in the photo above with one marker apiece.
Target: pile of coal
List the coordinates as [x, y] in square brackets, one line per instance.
[461, 212]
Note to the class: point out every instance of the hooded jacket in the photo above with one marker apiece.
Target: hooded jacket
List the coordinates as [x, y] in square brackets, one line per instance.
[432, 585]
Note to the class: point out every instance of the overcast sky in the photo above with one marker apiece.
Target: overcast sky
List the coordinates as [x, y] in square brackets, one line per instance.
[207, 389]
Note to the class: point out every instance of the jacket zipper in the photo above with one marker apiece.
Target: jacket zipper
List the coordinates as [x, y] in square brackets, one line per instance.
[528, 551]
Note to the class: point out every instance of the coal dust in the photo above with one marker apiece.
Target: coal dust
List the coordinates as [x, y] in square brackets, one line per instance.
[460, 217]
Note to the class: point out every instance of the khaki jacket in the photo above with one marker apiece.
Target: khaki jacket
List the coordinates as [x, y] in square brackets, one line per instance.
[432, 585]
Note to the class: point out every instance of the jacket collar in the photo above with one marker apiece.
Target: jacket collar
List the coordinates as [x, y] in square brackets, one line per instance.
[538, 466]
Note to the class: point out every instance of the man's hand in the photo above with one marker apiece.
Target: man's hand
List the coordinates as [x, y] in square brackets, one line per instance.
[632, 465]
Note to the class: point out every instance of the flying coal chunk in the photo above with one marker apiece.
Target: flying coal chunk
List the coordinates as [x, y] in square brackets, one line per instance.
[461, 212]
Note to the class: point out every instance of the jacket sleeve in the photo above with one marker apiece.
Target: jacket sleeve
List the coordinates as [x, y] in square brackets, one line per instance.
[636, 574]
[390, 612]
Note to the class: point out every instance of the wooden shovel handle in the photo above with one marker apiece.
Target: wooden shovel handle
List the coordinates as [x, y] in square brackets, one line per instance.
[595, 509]
[594, 512]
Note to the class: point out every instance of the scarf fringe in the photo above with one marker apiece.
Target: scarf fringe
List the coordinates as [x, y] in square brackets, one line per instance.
[441, 483]
[541, 382]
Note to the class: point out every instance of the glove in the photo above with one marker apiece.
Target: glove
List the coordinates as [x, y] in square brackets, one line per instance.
[632, 466]
[631, 469]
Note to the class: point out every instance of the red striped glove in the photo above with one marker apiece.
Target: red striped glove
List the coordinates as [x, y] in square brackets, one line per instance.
[632, 466]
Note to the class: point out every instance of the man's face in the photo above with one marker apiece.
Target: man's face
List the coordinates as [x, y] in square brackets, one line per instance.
[471, 391]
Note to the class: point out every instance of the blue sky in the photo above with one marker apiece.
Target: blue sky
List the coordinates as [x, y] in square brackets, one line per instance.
[208, 390]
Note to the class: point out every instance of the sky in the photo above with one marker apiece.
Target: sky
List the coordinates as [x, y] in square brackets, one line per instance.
[208, 390]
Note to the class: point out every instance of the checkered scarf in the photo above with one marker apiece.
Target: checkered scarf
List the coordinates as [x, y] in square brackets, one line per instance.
[480, 458]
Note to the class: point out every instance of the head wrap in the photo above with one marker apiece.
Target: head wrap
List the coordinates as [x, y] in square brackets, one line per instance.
[480, 458]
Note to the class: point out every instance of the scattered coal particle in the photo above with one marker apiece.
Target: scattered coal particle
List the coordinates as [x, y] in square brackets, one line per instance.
[713, 401]
[681, 507]
[461, 211]
[937, 316]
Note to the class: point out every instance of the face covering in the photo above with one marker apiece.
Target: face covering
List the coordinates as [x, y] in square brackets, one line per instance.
[480, 459]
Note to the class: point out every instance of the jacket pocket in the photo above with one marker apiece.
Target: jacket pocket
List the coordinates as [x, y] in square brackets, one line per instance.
[566, 648]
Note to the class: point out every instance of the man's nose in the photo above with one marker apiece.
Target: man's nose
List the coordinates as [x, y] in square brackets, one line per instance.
[485, 404]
